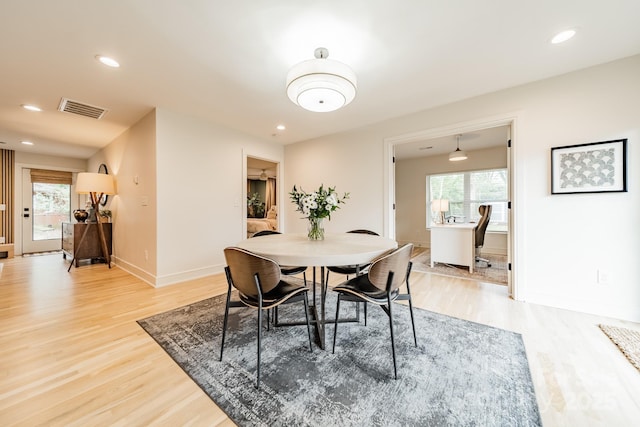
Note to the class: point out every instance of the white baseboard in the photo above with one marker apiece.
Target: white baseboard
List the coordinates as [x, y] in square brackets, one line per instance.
[630, 313]
[170, 279]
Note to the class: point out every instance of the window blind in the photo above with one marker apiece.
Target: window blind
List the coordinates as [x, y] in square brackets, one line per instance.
[50, 177]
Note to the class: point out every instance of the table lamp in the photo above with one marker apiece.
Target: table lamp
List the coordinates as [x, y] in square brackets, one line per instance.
[440, 206]
[95, 185]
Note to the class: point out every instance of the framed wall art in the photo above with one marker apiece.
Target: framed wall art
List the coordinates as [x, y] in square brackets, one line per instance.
[597, 167]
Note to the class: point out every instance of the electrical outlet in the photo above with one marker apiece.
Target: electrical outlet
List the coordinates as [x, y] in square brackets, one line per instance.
[146, 255]
[1, 240]
[604, 277]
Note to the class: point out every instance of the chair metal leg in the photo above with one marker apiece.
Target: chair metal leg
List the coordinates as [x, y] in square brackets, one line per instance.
[335, 325]
[393, 344]
[413, 323]
[224, 323]
[268, 318]
[365, 313]
[224, 326]
[306, 314]
[259, 343]
[326, 284]
[259, 291]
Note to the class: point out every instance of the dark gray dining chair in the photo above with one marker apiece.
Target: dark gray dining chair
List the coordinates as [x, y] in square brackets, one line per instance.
[381, 286]
[260, 285]
[287, 270]
[349, 270]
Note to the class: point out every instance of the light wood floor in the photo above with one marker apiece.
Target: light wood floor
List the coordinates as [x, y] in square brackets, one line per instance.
[72, 354]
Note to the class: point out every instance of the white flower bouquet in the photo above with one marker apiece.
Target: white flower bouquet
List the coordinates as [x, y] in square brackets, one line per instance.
[316, 206]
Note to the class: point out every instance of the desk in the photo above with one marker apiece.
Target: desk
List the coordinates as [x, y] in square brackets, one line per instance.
[453, 244]
[335, 249]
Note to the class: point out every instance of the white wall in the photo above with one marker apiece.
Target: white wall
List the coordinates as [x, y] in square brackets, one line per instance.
[561, 240]
[181, 186]
[131, 159]
[201, 190]
[411, 199]
[352, 162]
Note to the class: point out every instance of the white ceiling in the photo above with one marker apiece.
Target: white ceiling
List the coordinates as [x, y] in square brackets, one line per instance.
[227, 61]
[469, 141]
[256, 166]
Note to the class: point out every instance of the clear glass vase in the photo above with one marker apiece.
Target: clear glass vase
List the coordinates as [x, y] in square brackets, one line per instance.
[315, 230]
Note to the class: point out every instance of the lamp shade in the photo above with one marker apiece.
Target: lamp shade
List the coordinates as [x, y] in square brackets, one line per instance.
[89, 182]
[457, 155]
[321, 84]
[440, 205]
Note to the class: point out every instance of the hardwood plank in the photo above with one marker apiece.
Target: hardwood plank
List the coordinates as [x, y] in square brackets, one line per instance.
[71, 352]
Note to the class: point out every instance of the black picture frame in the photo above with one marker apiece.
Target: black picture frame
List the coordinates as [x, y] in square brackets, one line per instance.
[596, 167]
[103, 169]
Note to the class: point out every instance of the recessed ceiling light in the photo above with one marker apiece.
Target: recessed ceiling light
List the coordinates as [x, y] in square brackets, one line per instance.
[109, 62]
[31, 107]
[27, 142]
[281, 127]
[563, 36]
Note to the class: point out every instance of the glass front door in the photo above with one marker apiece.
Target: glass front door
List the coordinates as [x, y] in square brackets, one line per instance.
[45, 208]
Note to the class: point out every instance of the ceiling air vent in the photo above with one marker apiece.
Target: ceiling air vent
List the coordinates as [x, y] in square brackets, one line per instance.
[86, 110]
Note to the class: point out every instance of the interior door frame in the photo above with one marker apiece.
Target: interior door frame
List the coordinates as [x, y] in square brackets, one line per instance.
[389, 216]
[19, 202]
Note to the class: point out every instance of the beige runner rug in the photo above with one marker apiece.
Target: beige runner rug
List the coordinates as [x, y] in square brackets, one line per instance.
[627, 340]
[497, 273]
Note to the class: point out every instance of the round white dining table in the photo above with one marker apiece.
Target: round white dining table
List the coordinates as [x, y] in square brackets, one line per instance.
[336, 249]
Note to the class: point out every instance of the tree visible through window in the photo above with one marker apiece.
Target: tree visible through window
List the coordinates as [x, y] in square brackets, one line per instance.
[51, 206]
[466, 191]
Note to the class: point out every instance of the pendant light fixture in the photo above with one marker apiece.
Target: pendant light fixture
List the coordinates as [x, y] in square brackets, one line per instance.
[458, 154]
[321, 85]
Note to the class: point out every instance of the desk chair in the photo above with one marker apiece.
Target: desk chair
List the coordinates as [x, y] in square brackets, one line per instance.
[480, 231]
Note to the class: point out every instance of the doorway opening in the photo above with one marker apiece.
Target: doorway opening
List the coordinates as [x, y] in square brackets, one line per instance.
[489, 139]
[262, 195]
[46, 204]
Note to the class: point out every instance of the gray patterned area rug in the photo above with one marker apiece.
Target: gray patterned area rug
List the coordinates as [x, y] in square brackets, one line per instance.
[462, 373]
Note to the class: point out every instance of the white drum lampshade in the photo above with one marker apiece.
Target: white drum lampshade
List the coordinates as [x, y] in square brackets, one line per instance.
[321, 84]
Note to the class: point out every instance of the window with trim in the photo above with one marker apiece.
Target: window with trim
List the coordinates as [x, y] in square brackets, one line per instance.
[466, 191]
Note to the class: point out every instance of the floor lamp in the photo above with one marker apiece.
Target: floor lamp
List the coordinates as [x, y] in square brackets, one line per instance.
[95, 185]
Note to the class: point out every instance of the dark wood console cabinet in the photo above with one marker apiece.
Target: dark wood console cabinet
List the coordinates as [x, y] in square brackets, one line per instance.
[90, 248]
